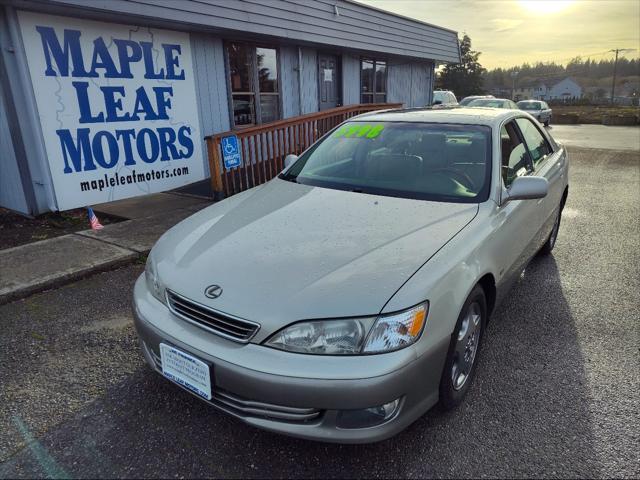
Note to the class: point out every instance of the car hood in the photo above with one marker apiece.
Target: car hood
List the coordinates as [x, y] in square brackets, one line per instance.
[284, 252]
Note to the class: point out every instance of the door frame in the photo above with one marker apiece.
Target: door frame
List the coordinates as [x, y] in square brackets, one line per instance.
[338, 56]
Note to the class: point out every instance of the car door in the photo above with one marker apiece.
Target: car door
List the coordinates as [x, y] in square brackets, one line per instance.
[516, 225]
[549, 164]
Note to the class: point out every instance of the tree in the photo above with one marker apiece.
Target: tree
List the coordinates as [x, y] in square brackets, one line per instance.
[464, 78]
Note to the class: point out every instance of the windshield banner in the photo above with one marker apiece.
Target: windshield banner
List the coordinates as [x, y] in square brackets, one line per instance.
[117, 107]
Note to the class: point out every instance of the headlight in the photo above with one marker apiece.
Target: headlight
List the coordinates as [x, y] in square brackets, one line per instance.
[353, 336]
[398, 330]
[151, 276]
[326, 337]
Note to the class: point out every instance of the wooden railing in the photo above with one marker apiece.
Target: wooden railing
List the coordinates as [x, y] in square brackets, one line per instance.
[264, 147]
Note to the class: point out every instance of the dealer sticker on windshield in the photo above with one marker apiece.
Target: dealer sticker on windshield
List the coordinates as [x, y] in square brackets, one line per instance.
[358, 131]
[186, 370]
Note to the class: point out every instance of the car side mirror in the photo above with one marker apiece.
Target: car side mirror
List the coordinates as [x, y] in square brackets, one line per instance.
[289, 160]
[526, 188]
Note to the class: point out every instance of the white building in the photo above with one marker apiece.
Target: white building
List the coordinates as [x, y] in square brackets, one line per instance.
[540, 91]
[103, 100]
[566, 89]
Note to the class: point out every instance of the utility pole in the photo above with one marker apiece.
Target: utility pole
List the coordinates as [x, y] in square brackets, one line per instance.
[615, 68]
[513, 84]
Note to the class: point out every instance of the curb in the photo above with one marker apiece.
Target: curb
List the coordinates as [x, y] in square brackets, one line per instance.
[59, 279]
[65, 279]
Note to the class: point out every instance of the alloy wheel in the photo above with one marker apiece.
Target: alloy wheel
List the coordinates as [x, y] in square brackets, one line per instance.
[466, 346]
[554, 232]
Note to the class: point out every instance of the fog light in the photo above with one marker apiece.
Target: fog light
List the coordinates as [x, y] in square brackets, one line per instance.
[367, 417]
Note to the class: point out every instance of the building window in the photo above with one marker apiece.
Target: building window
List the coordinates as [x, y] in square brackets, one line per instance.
[373, 81]
[253, 78]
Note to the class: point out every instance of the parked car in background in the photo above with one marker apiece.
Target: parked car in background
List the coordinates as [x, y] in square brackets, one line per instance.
[444, 97]
[347, 296]
[466, 100]
[493, 103]
[539, 109]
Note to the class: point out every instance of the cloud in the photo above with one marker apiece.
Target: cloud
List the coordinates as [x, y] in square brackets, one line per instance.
[504, 24]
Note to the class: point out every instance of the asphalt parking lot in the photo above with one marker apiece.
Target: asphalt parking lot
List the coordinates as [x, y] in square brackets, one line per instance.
[557, 391]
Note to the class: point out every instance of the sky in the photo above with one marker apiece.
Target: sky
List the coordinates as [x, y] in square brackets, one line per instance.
[511, 32]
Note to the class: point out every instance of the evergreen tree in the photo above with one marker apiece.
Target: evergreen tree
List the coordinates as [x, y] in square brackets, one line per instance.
[464, 78]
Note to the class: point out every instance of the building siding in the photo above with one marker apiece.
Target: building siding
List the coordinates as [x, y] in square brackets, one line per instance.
[309, 76]
[355, 26]
[211, 85]
[289, 85]
[410, 83]
[11, 192]
[350, 79]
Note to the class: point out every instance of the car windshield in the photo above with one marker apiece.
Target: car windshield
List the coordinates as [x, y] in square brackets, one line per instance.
[487, 102]
[466, 101]
[530, 105]
[440, 162]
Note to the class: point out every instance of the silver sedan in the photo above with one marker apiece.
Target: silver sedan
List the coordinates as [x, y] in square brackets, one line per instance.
[538, 109]
[344, 298]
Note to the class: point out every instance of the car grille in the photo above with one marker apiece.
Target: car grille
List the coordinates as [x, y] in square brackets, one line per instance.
[242, 407]
[216, 322]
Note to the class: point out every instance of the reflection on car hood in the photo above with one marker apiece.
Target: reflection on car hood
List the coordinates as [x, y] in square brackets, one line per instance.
[284, 252]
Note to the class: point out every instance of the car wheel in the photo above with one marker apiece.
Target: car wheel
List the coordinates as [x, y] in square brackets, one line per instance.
[553, 236]
[462, 357]
[546, 123]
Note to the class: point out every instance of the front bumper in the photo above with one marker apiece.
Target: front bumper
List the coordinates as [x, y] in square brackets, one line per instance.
[278, 391]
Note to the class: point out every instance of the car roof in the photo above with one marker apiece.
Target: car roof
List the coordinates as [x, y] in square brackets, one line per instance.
[494, 99]
[463, 115]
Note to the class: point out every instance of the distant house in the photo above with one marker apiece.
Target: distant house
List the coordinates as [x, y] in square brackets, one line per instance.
[523, 92]
[567, 89]
[540, 91]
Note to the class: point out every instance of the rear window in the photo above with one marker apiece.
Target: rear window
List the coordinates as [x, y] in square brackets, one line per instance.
[487, 102]
[530, 105]
[441, 162]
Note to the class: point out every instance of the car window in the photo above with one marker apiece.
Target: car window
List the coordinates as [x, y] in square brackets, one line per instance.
[441, 162]
[515, 160]
[529, 105]
[536, 143]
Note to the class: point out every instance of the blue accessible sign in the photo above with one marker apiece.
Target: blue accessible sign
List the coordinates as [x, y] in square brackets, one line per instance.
[231, 152]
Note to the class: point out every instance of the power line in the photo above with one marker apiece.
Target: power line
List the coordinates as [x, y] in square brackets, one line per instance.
[561, 60]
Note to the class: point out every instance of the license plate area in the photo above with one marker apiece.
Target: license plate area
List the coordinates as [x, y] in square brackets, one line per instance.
[186, 370]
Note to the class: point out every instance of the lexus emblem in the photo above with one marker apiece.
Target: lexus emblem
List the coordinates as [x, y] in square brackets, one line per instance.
[213, 291]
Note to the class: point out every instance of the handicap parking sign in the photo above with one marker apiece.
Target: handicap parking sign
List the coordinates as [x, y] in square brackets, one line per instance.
[231, 152]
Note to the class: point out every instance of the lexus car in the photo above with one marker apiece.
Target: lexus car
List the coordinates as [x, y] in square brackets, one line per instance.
[350, 294]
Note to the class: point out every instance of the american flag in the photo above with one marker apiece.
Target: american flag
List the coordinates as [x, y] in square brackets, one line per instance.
[93, 220]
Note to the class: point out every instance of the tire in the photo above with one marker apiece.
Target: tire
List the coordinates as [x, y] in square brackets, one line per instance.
[547, 248]
[546, 123]
[459, 370]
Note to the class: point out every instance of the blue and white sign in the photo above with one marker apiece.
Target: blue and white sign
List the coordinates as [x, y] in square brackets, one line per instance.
[231, 152]
[117, 107]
